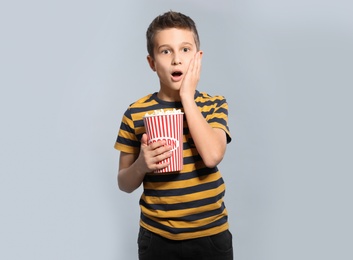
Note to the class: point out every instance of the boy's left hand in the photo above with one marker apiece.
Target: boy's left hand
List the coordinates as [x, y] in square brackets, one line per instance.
[191, 78]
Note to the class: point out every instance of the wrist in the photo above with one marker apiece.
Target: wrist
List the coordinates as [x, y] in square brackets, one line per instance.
[139, 168]
[187, 98]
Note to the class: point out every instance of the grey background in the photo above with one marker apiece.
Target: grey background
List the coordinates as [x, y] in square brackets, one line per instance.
[69, 69]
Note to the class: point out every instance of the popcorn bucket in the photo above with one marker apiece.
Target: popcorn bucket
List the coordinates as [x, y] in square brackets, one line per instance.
[168, 127]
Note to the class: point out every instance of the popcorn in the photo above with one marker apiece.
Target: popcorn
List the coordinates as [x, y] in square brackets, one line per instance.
[162, 112]
[167, 126]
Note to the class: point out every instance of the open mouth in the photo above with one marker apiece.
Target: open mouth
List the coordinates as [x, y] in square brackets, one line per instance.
[177, 73]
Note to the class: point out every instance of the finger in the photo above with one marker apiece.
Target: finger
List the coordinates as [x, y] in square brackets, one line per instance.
[144, 139]
[191, 66]
[162, 157]
[160, 161]
[157, 144]
[196, 62]
[200, 59]
[201, 54]
[197, 65]
[160, 166]
[162, 150]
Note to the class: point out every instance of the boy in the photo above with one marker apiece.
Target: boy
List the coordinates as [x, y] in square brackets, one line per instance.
[183, 215]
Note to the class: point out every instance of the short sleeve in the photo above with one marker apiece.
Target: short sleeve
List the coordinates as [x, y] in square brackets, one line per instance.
[127, 141]
[219, 116]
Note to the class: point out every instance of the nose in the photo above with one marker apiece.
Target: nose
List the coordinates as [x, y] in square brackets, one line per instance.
[176, 60]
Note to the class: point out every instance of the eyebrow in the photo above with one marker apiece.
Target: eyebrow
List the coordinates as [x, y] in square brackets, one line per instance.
[167, 45]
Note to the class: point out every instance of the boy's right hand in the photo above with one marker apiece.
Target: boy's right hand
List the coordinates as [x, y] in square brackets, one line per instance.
[151, 156]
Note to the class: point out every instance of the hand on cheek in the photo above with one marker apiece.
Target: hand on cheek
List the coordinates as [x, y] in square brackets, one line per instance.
[192, 76]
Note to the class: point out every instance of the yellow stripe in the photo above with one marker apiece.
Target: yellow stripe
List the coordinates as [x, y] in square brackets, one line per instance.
[169, 222]
[142, 104]
[182, 184]
[125, 148]
[219, 115]
[127, 135]
[160, 214]
[128, 121]
[190, 152]
[183, 198]
[139, 116]
[188, 235]
[140, 130]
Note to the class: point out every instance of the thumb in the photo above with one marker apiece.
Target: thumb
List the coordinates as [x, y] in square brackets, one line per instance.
[144, 139]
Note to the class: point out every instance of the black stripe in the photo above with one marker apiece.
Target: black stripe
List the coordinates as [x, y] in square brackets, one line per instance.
[210, 102]
[178, 176]
[222, 110]
[202, 215]
[212, 111]
[183, 205]
[183, 230]
[191, 159]
[126, 127]
[135, 110]
[184, 191]
[218, 120]
[151, 98]
[139, 123]
[128, 142]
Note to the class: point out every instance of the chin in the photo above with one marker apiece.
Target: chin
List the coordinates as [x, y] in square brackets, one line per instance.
[175, 87]
[172, 86]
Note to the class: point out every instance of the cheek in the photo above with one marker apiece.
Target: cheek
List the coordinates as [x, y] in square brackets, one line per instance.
[189, 57]
[161, 67]
[161, 73]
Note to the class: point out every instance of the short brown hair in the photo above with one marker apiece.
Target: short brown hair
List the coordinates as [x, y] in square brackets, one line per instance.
[170, 20]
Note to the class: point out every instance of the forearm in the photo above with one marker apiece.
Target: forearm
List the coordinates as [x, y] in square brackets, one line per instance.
[210, 142]
[133, 167]
[129, 179]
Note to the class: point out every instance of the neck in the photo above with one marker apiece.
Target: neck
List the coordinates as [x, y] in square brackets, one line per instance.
[171, 96]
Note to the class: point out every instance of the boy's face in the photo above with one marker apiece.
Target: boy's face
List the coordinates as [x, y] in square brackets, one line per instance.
[173, 50]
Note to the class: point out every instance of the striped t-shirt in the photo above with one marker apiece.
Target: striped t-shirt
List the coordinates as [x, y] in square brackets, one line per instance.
[186, 204]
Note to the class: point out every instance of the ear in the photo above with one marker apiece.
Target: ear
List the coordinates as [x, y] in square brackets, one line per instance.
[201, 53]
[151, 62]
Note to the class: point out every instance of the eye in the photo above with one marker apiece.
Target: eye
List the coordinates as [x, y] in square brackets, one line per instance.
[185, 49]
[165, 51]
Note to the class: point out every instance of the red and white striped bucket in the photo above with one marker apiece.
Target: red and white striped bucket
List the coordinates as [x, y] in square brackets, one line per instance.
[168, 127]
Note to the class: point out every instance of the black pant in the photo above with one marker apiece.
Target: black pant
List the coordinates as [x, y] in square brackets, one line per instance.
[154, 247]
